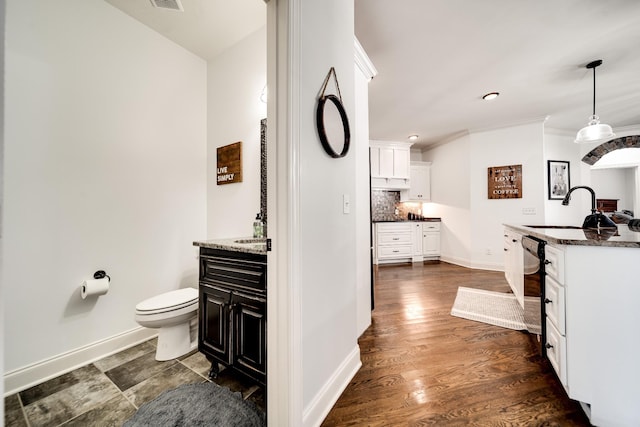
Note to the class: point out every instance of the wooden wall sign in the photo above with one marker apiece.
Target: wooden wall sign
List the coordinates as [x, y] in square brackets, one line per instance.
[230, 163]
[505, 182]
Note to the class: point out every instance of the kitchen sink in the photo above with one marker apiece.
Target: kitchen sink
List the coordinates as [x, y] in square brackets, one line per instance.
[568, 227]
[257, 240]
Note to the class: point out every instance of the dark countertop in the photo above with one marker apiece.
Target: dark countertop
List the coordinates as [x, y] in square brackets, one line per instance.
[259, 248]
[409, 220]
[623, 237]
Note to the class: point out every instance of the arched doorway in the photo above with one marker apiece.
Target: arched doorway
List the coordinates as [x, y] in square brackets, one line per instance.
[615, 144]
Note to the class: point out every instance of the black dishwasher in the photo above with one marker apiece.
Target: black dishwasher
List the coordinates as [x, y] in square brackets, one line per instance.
[534, 294]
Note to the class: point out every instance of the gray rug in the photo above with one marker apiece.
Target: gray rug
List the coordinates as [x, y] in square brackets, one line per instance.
[497, 308]
[205, 404]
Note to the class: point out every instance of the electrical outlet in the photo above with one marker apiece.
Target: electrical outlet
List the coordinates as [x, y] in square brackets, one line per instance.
[488, 251]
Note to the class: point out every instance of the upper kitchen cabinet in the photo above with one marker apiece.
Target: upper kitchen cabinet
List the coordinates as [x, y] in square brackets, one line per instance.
[390, 165]
[419, 183]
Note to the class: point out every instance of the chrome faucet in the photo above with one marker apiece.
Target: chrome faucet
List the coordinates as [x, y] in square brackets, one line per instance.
[596, 219]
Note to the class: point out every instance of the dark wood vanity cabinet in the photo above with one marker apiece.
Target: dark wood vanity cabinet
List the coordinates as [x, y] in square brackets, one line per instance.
[233, 311]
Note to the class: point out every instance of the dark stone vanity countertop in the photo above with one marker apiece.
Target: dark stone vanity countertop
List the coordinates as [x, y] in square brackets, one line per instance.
[408, 220]
[623, 237]
[233, 245]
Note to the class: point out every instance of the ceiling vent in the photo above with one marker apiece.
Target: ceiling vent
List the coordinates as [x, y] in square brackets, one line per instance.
[168, 4]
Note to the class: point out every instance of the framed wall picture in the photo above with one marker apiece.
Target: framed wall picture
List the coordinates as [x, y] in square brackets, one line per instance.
[229, 164]
[558, 179]
[504, 182]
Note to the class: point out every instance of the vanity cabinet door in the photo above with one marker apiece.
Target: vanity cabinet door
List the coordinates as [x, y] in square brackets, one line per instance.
[213, 338]
[250, 335]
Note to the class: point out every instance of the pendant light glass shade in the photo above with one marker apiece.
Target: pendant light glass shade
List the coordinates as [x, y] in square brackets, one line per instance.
[594, 131]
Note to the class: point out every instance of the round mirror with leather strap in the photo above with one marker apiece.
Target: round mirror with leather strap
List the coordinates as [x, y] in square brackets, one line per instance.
[332, 122]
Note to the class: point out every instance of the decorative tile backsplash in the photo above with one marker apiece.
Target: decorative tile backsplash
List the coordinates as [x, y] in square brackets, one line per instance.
[384, 204]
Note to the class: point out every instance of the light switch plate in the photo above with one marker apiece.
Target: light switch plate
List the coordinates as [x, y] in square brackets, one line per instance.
[528, 211]
[346, 204]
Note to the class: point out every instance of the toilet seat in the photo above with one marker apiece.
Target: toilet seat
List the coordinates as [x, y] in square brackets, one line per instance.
[169, 301]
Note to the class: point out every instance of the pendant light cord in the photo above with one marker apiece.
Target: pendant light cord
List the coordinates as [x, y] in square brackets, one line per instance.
[594, 91]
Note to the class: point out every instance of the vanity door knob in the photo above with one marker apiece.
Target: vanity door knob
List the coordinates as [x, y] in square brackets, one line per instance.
[547, 262]
[548, 346]
[547, 301]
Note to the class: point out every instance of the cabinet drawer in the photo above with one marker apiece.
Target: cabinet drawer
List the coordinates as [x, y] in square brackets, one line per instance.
[430, 226]
[554, 263]
[402, 251]
[226, 270]
[557, 351]
[394, 238]
[554, 304]
[394, 227]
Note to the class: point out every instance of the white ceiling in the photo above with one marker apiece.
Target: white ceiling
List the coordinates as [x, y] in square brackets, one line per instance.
[436, 58]
[206, 27]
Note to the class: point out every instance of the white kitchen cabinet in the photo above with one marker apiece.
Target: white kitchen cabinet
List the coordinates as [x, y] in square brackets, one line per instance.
[554, 306]
[393, 241]
[596, 356]
[390, 165]
[514, 263]
[591, 321]
[431, 239]
[417, 239]
[557, 351]
[554, 303]
[554, 263]
[420, 183]
[406, 241]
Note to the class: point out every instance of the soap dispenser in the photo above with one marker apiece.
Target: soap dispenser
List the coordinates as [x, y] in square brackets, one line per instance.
[258, 227]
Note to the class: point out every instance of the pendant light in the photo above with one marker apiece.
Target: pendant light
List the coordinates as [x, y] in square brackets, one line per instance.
[594, 131]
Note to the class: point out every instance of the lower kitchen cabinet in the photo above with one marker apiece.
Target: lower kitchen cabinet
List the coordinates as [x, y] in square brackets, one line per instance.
[431, 239]
[406, 241]
[393, 241]
[233, 311]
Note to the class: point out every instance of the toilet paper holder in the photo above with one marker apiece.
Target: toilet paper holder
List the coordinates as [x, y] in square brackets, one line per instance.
[100, 274]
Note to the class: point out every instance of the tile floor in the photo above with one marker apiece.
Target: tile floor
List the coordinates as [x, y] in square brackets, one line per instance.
[109, 391]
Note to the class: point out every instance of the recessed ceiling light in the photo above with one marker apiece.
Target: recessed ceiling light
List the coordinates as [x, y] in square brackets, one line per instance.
[413, 137]
[490, 96]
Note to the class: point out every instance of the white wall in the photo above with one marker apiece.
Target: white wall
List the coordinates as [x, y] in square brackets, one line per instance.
[362, 197]
[105, 168]
[450, 198]
[615, 183]
[472, 224]
[560, 146]
[508, 146]
[2, 27]
[236, 79]
[326, 238]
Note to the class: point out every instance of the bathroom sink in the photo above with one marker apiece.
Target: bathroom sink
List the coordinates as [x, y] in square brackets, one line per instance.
[568, 227]
[254, 241]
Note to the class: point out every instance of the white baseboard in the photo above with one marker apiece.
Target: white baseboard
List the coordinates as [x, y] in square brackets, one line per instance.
[470, 264]
[36, 373]
[319, 407]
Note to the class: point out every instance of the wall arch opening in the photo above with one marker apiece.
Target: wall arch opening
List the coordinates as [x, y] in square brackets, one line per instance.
[615, 144]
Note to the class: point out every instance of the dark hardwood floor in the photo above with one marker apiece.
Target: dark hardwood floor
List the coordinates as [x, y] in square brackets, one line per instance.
[422, 366]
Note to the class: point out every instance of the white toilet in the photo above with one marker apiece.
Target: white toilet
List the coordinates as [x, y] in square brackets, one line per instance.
[173, 313]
